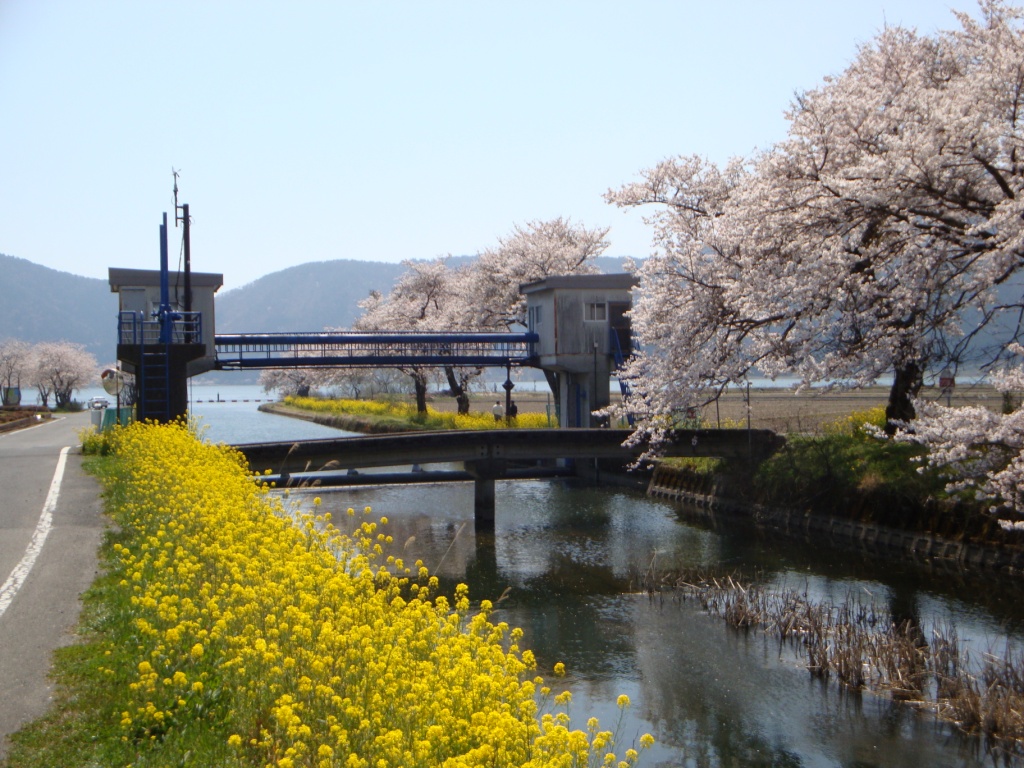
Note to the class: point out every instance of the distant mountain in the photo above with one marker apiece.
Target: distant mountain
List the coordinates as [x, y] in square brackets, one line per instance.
[308, 297]
[42, 304]
[317, 295]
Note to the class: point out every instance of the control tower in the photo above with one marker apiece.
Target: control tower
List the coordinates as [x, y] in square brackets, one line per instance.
[584, 335]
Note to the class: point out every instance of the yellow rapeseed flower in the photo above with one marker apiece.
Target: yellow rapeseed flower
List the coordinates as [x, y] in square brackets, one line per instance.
[309, 640]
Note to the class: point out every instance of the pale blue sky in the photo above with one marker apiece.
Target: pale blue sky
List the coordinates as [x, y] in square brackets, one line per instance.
[308, 131]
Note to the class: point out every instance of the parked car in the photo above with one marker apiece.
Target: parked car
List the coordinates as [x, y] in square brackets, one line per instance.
[97, 403]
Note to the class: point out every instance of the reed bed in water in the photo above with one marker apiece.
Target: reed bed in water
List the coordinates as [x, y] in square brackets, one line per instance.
[860, 645]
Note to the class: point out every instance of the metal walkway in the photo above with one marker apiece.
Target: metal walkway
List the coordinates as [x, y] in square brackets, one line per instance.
[241, 351]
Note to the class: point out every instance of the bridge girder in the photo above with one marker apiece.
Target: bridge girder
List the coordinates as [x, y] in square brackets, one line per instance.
[496, 445]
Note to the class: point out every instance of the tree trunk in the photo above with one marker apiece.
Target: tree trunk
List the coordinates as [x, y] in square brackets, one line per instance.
[62, 397]
[420, 383]
[906, 383]
[458, 391]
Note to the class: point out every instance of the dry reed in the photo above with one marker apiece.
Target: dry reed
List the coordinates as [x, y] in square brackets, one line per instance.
[862, 647]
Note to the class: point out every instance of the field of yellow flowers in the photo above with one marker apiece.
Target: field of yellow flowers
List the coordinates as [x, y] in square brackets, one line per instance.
[259, 634]
[432, 419]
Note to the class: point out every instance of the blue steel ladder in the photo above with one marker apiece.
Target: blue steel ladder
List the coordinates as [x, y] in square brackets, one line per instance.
[620, 361]
[153, 372]
[155, 382]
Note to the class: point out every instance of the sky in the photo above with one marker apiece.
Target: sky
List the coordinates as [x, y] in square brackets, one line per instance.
[381, 131]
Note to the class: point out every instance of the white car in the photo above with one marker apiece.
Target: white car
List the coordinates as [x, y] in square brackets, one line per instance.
[97, 403]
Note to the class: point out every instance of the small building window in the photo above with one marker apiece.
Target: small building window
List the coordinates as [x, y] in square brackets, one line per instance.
[597, 312]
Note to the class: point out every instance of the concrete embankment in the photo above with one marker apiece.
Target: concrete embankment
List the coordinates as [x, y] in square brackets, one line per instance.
[704, 498]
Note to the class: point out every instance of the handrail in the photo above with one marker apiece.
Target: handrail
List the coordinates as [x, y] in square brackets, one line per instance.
[343, 349]
[134, 328]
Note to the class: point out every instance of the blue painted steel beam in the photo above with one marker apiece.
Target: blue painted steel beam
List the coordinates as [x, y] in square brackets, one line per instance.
[371, 361]
[381, 337]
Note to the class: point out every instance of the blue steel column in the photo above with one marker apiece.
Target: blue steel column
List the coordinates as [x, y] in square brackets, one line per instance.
[166, 323]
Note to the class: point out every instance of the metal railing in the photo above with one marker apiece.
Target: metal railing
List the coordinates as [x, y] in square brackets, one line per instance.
[351, 349]
[135, 328]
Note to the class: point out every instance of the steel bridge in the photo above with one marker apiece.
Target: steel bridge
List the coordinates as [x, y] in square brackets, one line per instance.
[243, 351]
[486, 455]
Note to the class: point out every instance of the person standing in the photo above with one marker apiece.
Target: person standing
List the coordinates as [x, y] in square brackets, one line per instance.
[497, 410]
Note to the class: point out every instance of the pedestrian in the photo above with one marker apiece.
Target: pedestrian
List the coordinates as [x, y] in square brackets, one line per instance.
[497, 410]
[513, 410]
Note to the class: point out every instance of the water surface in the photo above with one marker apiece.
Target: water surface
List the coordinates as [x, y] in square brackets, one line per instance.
[565, 557]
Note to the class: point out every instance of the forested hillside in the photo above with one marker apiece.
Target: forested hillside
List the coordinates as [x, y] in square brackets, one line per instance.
[42, 304]
[307, 297]
[317, 295]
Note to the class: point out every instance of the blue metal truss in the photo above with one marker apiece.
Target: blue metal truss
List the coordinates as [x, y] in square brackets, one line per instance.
[241, 351]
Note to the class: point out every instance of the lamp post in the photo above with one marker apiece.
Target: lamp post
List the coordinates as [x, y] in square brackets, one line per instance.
[593, 400]
[947, 381]
[507, 386]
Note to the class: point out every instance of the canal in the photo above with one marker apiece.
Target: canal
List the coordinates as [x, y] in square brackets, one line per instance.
[563, 562]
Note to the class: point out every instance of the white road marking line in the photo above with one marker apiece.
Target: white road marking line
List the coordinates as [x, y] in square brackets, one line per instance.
[35, 546]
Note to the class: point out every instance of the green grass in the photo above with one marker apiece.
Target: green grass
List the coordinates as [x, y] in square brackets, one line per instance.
[81, 727]
[848, 470]
[824, 472]
[702, 466]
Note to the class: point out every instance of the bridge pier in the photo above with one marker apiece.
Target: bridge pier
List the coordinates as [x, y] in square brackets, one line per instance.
[483, 503]
[484, 472]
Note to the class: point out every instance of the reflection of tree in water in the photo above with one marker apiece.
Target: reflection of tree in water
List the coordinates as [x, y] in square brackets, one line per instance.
[558, 610]
[713, 696]
[770, 554]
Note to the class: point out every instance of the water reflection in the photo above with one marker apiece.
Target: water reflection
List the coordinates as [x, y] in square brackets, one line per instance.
[565, 557]
[710, 695]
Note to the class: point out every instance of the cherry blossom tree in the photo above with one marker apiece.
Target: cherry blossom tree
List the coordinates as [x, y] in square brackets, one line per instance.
[421, 300]
[531, 252]
[60, 368]
[359, 383]
[980, 450]
[15, 357]
[482, 295]
[878, 239]
[291, 381]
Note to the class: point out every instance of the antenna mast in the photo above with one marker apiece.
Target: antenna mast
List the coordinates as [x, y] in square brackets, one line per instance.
[186, 240]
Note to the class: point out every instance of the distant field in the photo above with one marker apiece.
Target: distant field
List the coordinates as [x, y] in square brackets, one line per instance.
[778, 409]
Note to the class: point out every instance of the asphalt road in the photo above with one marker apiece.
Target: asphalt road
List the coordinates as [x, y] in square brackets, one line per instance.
[51, 524]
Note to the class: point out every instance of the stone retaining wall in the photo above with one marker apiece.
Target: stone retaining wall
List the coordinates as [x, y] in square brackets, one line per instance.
[9, 426]
[704, 497]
